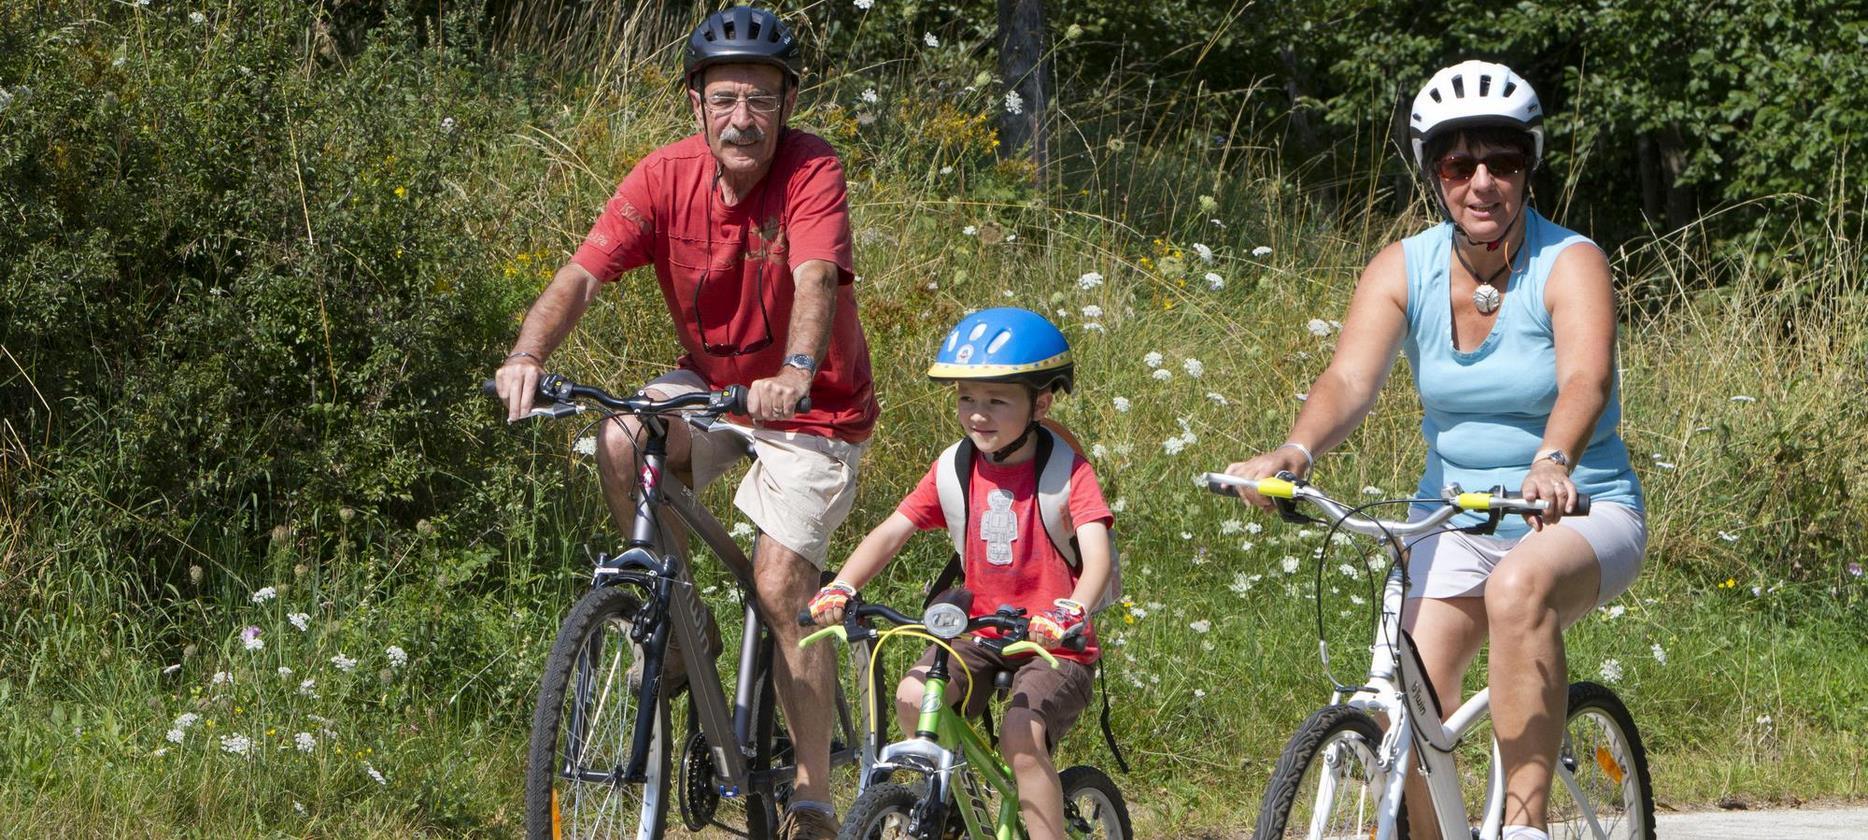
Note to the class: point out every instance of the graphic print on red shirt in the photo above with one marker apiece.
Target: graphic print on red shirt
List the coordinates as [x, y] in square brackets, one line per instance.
[725, 272]
[1009, 557]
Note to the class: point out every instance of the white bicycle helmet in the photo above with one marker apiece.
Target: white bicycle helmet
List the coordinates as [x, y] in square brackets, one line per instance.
[1473, 94]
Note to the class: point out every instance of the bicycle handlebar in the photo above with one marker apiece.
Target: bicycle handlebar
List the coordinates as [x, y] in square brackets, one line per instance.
[1006, 619]
[561, 396]
[1286, 489]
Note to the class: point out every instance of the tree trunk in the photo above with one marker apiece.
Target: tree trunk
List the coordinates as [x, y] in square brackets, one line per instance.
[1647, 161]
[1682, 199]
[1027, 73]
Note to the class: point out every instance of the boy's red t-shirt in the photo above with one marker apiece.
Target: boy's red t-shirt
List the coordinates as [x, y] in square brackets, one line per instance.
[725, 272]
[1009, 557]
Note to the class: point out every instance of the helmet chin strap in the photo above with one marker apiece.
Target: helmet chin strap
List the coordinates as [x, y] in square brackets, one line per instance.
[999, 455]
[1493, 245]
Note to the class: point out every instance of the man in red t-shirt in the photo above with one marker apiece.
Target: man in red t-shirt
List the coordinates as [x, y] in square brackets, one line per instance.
[747, 227]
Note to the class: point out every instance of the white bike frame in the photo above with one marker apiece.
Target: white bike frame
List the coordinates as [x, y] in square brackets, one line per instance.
[1395, 691]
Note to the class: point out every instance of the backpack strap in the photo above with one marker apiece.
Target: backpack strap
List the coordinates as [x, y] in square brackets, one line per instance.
[1053, 463]
[953, 478]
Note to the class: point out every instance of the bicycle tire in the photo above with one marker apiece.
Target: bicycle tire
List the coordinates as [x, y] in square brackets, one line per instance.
[1093, 805]
[586, 684]
[1332, 734]
[882, 812]
[1603, 751]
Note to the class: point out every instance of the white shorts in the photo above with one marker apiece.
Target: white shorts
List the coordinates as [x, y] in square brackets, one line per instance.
[1455, 565]
[800, 486]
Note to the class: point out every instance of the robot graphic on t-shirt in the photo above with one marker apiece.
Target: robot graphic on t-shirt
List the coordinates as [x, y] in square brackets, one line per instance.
[998, 526]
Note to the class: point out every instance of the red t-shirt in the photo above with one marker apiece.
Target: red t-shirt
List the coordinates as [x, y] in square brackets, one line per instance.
[1009, 557]
[725, 271]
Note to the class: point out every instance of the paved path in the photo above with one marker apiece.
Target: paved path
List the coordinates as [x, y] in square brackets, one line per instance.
[1801, 824]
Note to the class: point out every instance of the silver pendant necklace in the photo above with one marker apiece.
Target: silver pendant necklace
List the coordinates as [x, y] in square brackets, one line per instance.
[1486, 298]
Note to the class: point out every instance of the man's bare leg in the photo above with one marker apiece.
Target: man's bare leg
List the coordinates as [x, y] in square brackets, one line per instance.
[803, 676]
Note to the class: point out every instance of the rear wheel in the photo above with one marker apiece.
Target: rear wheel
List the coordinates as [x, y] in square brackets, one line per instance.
[1326, 783]
[1602, 788]
[1093, 807]
[583, 726]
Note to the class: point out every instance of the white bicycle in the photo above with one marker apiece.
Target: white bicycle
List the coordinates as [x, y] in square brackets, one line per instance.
[1343, 775]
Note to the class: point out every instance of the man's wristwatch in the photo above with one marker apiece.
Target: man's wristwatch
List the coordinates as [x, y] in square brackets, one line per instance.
[802, 362]
[1556, 455]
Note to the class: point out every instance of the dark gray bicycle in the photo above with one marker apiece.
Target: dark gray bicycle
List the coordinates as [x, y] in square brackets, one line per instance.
[600, 763]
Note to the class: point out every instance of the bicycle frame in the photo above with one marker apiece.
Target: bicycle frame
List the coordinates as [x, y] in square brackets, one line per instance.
[1396, 691]
[730, 735]
[942, 765]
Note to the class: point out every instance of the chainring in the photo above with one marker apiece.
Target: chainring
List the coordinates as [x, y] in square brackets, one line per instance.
[698, 796]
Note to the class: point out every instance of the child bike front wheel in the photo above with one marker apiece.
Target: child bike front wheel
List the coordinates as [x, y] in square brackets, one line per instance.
[1093, 806]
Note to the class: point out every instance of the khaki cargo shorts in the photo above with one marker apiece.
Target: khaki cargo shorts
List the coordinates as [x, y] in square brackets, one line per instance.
[800, 486]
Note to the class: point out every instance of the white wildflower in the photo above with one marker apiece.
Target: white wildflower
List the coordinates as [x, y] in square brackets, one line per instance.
[304, 741]
[1728, 536]
[172, 669]
[1301, 396]
[1231, 526]
[1765, 721]
[1173, 445]
[1014, 104]
[970, 230]
[197, 18]
[308, 688]
[1186, 535]
[300, 806]
[1663, 465]
[375, 774]
[175, 736]
[1089, 280]
[864, 4]
[946, 170]
[1162, 374]
[930, 40]
[1094, 326]
[397, 656]
[344, 663]
[236, 744]
[1153, 359]
[185, 720]
[870, 96]
[220, 678]
[1217, 398]
[1261, 251]
[1099, 451]
[1206, 254]
[1660, 653]
[1215, 282]
[1319, 327]
[1615, 612]
[1743, 398]
[1119, 505]
[1611, 671]
[1346, 570]
[1006, 293]
[447, 125]
[285, 672]
[1092, 311]
[586, 445]
[1200, 626]
[1122, 404]
[299, 620]
[1372, 490]
[743, 530]
[265, 594]
[1193, 367]
[1289, 564]
[1199, 693]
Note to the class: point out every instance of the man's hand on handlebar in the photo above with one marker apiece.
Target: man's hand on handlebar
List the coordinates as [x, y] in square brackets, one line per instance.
[777, 397]
[517, 384]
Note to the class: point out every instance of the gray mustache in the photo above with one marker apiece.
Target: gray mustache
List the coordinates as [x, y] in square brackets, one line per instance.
[751, 134]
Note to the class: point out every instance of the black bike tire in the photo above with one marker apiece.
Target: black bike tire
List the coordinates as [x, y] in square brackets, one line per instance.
[1587, 697]
[596, 607]
[1287, 779]
[1082, 778]
[876, 803]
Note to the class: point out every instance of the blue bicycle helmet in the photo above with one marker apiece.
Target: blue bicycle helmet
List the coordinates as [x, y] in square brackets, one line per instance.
[1005, 345]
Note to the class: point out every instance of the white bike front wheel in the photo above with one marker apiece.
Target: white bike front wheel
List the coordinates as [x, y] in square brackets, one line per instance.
[1326, 784]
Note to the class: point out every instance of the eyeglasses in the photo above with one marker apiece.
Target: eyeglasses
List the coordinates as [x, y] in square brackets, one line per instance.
[721, 104]
[1459, 167]
[700, 319]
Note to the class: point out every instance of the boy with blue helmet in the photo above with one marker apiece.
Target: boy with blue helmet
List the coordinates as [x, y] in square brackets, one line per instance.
[1030, 530]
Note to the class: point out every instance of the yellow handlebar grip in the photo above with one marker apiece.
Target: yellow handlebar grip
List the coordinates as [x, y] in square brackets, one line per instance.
[1031, 647]
[1277, 488]
[833, 630]
[1474, 501]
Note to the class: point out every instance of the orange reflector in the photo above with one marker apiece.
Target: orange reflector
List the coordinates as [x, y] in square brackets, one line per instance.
[557, 826]
[1609, 765]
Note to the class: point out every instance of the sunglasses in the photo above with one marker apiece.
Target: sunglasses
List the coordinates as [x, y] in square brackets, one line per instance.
[1459, 166]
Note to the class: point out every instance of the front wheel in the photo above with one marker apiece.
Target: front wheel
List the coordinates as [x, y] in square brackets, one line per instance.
[882, 812]
[1602, 788]
[1093, 807]
[583, 727]
[1326, 783]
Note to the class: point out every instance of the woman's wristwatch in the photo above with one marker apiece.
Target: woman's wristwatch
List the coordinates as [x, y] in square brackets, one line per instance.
[1555, 455]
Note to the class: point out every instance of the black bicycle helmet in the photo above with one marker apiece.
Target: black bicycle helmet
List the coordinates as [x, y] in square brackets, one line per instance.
[742, 35]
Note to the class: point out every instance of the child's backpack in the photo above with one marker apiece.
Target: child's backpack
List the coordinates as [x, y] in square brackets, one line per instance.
[1056, 452]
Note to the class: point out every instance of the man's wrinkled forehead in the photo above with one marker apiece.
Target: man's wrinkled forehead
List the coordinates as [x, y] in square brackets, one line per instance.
[760, 79]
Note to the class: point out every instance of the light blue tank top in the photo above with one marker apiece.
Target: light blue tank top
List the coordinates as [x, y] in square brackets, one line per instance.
[1483, 412]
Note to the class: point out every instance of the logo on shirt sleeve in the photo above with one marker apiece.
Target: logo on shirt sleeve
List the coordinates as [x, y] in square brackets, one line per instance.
[998, 526]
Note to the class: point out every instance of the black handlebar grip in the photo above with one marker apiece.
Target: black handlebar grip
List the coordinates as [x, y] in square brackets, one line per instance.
[735, 398]
[1075, 643]
[804, 404]
[1581, 506]
[489, 388]
[1223, 489]
[805, 619]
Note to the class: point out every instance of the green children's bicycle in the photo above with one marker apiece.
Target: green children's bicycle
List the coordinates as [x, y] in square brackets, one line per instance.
[965, 789]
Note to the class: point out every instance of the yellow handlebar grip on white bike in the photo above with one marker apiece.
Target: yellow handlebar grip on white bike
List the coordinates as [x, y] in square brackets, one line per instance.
[1031, 647]
[833, 630]
[1474, 501]
[1277, 488]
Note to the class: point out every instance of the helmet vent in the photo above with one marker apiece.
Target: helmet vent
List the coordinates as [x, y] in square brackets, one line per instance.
[953, 338]
[979, 329]
[1435, 93]
[1485, 85]
[1510, 86]
[754, 34]
[727, 28]
[1459, 87]
[999, 341]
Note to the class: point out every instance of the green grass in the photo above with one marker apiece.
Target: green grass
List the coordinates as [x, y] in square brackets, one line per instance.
[85, 703]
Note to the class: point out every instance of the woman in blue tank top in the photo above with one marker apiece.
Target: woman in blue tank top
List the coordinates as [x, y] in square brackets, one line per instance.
[1508, 323]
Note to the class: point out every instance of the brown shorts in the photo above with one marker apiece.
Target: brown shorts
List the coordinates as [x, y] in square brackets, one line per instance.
[1056, 695]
